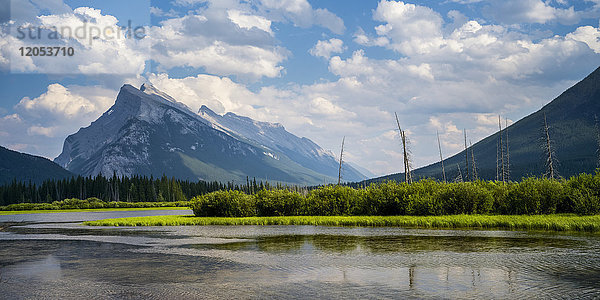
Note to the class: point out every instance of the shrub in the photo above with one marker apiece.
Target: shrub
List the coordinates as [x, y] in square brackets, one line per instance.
[72, 203]
[499, 192]
[334, 201]
[279, 203]
[585, 203]
[464, 198]
[584, 194]
[385, 199]
[535, 196]
[94, 202]
[419, 199]
[422, 205]
[223, 204]
[30, 206]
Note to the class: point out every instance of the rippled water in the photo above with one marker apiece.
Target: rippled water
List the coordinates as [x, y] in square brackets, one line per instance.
[46, 259]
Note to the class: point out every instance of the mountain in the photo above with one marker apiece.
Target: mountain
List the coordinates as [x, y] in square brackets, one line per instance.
[274, 136]
[573, 132]
[147, 132]
[24, 168]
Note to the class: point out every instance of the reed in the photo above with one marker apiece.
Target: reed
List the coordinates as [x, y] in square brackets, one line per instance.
[562, 222]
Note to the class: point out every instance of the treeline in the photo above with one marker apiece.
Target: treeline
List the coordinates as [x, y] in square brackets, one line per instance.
[120, 189]
[579, 194]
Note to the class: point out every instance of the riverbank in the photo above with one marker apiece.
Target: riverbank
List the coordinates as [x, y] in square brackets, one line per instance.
[562, 222]
[37, 211]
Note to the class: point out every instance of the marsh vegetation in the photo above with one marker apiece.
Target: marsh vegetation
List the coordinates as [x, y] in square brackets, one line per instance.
[531, 196]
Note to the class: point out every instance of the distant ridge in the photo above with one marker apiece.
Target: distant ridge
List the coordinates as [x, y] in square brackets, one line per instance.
[25, 167]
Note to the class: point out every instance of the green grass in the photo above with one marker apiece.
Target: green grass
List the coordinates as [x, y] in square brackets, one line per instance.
[562, 222]
[21, 212]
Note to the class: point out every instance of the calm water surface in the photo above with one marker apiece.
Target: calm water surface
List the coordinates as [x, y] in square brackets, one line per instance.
[54, 256]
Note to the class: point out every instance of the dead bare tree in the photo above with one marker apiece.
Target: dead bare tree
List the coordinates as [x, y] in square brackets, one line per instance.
[597, 125]
[507, 175]
[459, 177]
[441, 157]
[497, 159]
[550, 159]
[466, 155]
[407, 174]
[473, 162]
[341, 160]
[501, 149]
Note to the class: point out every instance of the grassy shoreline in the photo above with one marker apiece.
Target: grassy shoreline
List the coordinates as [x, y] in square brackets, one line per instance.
[561, 222]
[22, 212]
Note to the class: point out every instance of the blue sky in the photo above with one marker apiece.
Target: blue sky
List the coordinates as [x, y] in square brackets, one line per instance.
[324, 69]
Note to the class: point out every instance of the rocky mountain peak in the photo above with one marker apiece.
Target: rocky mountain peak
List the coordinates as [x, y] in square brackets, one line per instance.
[147, 132]
[149, 89]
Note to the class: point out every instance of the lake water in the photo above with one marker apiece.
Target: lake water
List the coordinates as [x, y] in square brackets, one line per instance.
[46, 257]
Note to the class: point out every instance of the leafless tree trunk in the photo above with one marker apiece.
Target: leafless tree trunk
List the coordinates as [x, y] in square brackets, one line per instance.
[441, 157]
[597, 139]
[548, 149]
[458, 178]
[501, 149]
[473, 162]
[466, 155]
[407, 175]
[498, 159]
[507, 151]
[341, 160]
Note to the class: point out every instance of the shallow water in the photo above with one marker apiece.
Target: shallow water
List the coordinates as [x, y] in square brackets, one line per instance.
[47, 259]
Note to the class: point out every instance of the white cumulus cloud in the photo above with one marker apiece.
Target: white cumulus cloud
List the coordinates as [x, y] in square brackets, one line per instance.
[221, 41]
[99, 45]
[531, 11]
[327, 47]
[248, 21]
[60, 102]
[302, 14]
[52, 116]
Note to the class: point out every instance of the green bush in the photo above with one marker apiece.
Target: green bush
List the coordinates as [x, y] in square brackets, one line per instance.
[334, 201]
[419, 199]
[385, 199]
[499, 193]
[422, 205]
[279, 203]
[585, 203]
[74, 203]
[30, 206]
[464, 198]
[90, 203]
[223, 204]
[535, 196]
[584, 194]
